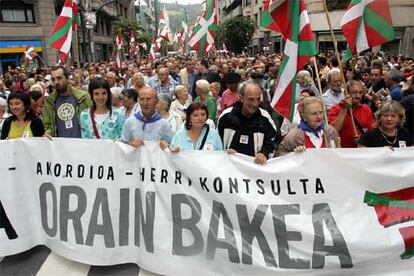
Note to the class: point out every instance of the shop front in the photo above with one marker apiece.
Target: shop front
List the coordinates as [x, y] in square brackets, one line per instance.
[11, 51]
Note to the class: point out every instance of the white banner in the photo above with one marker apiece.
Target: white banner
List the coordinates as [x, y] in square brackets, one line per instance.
[103, 203]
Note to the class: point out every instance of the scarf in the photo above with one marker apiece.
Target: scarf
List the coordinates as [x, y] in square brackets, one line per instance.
[304, 126]
[155, 117]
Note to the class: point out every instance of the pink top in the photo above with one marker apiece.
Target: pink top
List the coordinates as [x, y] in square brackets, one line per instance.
[228, 99]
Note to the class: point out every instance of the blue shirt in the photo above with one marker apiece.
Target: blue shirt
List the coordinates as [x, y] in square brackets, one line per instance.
[213, 141]
[155, 131]
[395, 93]
[111, 128]
[67, 121]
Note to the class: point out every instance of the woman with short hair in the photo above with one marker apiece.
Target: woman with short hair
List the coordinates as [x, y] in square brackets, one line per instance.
[23, 122]
[312, 132]
[389, 132]
[197, 134]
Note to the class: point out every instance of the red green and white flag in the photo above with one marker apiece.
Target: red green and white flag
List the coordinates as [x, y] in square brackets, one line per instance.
[143, 45]
[117, 53]
[266, 21]
[68, 20]
[185, 32]
[65, 59]
[76, 16]
[28, 56]
[292, 19]
[164, 26]
[366, 24]
[132, 44]
[151, 56]
[205, 29]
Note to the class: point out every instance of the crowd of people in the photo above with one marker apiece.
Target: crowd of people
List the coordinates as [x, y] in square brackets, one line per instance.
[217, 103]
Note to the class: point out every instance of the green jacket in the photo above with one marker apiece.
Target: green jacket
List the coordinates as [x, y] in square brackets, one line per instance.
[49, 111]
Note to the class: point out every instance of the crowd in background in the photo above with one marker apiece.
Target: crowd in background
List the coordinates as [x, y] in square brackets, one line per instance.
[216, 103]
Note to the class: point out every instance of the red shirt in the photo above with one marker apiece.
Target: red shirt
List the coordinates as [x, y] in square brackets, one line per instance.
[228, 99]
[362, 115]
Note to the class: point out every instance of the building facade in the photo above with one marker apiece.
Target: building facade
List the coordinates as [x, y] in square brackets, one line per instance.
[145, 15]
[266, 41]
[29, 23]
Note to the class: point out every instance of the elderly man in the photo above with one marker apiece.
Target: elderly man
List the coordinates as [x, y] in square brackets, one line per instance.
[111, 78]
[147, 124]
[335, 93]
[165, 84]
[340, 118]
[246, 128]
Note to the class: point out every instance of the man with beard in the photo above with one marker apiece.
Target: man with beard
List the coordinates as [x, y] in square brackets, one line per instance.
[62, 108]
[334, 93]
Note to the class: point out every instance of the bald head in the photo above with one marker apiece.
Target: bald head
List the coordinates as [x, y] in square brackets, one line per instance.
[148, 100]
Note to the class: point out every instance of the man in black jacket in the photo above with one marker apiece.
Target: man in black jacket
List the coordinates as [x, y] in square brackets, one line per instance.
[246, 128]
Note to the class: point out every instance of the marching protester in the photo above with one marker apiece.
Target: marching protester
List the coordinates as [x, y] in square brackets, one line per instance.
[203, 96]
[163, 107]
[147, 124]
[312, 131]
[62, 108]
[246, 128]
[129, 102]
[181, 102]
[23, 122]
[101, 121]
[340, 118]
[197, 134]
[389, 132]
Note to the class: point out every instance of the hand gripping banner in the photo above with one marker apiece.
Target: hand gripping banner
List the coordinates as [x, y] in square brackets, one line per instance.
[325, 212]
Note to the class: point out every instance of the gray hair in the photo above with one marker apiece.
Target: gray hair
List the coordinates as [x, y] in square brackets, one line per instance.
[243, 86]
[116, 91]
[203, 85]
[331, 73]
[179, 88]
[166, 100]
[351, 83]
[395, 75]
[303, 73]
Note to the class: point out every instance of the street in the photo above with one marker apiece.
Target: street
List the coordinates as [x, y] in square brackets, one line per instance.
[40, 261]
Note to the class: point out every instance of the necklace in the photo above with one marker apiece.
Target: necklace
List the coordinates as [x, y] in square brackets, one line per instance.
[386, 138]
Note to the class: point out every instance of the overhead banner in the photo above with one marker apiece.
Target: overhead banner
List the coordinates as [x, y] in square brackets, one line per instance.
[326, 212]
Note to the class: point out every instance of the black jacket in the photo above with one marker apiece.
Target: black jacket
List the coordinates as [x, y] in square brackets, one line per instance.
[36, 126]
[247, 135]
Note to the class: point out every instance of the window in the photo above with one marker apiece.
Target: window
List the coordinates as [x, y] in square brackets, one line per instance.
[247, 2]
[16, 11]
[337, 4]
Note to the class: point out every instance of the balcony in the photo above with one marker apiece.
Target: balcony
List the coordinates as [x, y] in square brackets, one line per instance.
[110, 9]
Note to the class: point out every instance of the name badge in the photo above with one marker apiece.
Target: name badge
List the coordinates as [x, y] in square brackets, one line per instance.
[25, 134]
[402, 144]
[208, 147]
[68, 124]
[244, 139]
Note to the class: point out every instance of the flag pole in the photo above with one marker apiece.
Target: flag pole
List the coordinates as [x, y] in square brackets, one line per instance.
[340, 64]
[325, 117]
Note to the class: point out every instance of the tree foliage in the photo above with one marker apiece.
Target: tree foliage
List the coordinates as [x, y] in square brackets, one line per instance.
[126, 27]
[236, 33]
